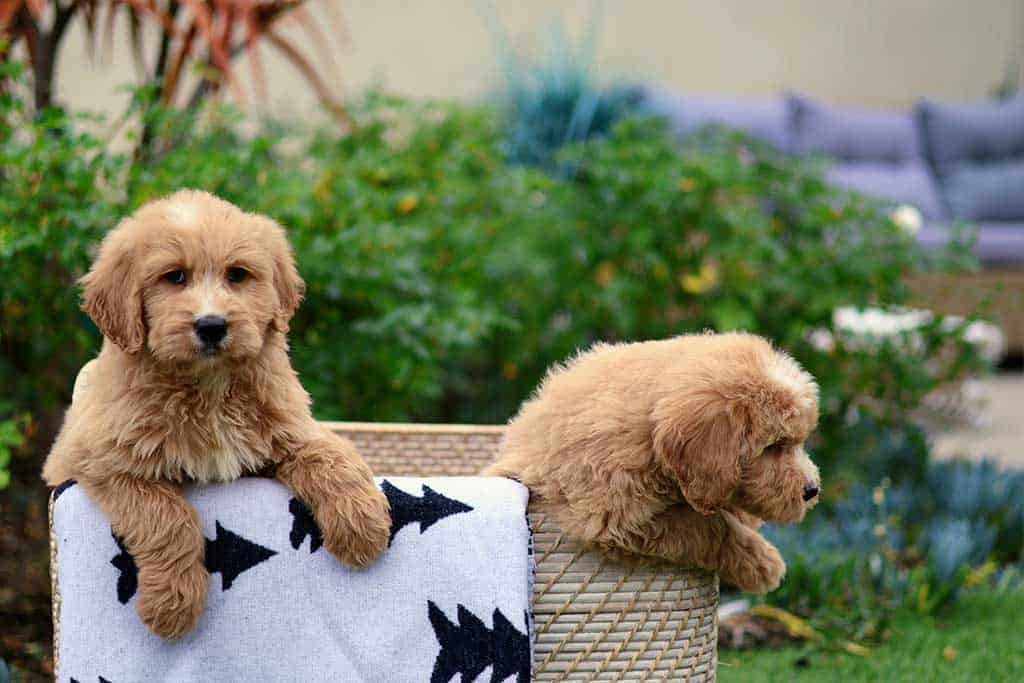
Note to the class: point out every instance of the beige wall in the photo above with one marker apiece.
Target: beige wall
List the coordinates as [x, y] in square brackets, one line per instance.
[871, 52]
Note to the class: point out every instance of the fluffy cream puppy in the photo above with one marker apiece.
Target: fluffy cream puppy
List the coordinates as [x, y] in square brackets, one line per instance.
[193, 384]
[674, 449]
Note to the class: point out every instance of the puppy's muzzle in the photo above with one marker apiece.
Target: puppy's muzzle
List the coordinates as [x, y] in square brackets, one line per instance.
[810, 492]
[211, 330]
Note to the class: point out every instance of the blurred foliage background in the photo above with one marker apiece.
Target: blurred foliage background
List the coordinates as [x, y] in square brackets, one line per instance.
[444, 275]
[452, 252]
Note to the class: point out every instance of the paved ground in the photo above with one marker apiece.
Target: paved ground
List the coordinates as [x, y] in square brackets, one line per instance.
[1002, 437]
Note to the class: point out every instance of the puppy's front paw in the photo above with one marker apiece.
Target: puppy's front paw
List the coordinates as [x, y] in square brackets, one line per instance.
[357, 528]
[171, 597]
[757, 572]
[748, 561]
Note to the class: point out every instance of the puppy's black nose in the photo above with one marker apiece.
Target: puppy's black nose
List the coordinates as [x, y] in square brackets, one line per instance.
[810, 491]
[211, 329]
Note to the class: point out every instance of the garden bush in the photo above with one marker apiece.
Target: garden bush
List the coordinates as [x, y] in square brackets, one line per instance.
[60, 194]
[443, 279]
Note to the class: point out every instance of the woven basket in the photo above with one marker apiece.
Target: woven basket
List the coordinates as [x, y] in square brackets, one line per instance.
[595, 619]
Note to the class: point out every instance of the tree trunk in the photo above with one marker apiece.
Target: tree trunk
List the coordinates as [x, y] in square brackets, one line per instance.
[44, 55]
[42, 72]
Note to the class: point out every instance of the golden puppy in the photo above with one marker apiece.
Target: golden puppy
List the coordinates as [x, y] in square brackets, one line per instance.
[193, 383]
[674, 449]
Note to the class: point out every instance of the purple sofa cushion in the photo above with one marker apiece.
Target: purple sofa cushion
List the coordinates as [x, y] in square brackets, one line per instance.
[851, 134]
[954, 134]
[763, 119]
[977, 151]
[987, 192]
[903, 184]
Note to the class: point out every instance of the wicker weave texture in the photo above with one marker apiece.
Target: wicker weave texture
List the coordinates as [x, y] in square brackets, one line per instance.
[423, 450]
[54, 588]
[595, 619]
[598, 620]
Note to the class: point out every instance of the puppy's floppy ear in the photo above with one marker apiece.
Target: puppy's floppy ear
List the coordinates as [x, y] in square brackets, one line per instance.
[287, 282]
[112, 295]
[702, 437]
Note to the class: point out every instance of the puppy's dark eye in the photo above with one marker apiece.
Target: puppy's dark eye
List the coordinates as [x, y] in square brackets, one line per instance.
[237, 274]
[175, 277]
[775, 447]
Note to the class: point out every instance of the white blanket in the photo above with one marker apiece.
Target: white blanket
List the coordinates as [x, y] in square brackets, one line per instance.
[449, 600]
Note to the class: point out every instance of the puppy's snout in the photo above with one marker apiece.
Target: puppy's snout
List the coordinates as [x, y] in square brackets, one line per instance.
[810, 491]
[211, 329]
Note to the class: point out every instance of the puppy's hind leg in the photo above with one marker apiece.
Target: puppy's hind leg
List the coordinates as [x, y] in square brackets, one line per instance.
[162, 533]
[327, 474]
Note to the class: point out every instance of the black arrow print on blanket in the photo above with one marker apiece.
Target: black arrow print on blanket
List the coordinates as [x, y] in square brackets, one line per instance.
[470, 647]
[228, 553]
[102, 680]
[405, 509]
[128, 577]
[431, 508]
[304, 525]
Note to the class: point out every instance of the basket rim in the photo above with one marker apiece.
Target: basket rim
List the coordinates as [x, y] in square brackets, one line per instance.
[413, 427]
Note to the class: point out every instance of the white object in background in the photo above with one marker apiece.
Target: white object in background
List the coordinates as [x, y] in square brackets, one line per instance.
[908, 218]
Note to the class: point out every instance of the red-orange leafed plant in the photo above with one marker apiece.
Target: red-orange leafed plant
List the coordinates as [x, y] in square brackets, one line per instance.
[202, 34]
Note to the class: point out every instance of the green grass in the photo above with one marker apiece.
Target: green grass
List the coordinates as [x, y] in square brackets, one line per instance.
[985, 631]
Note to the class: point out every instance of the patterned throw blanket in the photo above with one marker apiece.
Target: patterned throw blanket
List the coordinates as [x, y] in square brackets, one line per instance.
[448, 601]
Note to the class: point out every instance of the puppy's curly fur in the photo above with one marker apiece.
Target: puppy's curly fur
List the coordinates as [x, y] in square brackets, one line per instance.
[161, 405]
[674, 449]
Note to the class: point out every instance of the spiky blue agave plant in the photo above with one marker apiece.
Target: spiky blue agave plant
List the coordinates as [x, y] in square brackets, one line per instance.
[883, 544]
[556, 100]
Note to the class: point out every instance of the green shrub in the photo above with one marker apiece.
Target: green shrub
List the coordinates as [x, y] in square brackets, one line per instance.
[443, 280]
[61, 192]
[12, 437]
[426, 218]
